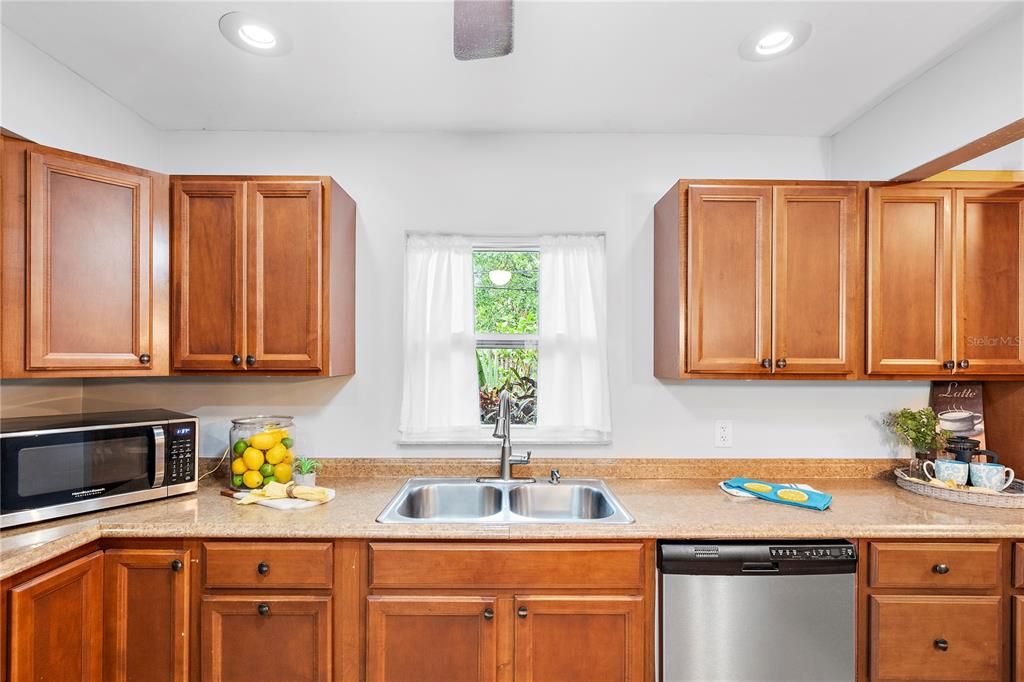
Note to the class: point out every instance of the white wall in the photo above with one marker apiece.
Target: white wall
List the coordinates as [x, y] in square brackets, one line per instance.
[44, 101]
[971, 93]
[520, 184]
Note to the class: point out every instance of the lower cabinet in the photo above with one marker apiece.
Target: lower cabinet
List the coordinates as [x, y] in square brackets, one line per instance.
[266, 637]
[1018, 637]
[451, 638]
[56, 624]
[146, 615]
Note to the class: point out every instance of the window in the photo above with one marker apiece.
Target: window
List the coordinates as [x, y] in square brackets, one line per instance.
[505, 302]
[483, 316]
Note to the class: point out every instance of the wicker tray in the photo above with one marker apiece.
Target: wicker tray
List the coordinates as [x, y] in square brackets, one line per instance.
[1011, 498]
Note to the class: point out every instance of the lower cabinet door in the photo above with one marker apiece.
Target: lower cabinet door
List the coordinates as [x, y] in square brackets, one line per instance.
[936, 638]
[1018, 637]
[579, 638]
[254, 637]
[146, 615]
[56, 624]
[431, 639]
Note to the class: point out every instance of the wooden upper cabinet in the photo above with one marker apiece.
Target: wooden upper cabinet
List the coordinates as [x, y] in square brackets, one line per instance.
[910, 266]
[729, 278]
[85, 271]
[264, 275]
[432, 638]
[988, 243]
[146, 615]
[816, 280]
[283, 327]
[579, 637]
[209, 274]
[56, 624]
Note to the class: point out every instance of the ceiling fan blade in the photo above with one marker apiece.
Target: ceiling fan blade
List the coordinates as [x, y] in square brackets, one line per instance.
[483, 28]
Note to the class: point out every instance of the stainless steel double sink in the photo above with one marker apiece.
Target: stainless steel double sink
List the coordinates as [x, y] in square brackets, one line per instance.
[466, 500]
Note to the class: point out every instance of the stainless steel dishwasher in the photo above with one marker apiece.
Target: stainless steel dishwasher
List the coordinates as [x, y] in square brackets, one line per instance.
[757, 612]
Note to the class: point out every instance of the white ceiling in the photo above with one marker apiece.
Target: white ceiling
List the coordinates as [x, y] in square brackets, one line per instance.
[623, 66]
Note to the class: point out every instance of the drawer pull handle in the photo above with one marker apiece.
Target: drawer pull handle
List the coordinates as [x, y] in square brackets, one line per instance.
[176, 566]
[263, 568]
[942, 645]
[236, 360]
[941, 569]
[521, 612]
[488, 614]
[263, 609]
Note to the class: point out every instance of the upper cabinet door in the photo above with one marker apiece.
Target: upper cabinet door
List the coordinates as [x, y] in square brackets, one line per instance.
[988, 242]
[209, 274]
[729, 279]
[816, 280]
[909, 281]
[285, 275]
[89, 270]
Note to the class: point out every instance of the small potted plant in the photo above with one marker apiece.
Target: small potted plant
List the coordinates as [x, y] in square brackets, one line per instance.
[920, 430]
[305, 471]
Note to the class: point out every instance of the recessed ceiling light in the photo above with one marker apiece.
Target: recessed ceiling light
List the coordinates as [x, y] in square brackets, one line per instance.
[254, 35]
[774, 41]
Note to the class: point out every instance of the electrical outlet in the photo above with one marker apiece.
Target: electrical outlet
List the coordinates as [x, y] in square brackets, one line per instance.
[723, 433]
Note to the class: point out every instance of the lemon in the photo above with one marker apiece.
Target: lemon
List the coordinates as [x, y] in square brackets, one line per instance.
[792, 495]
[276, 454]
[288, 457]
[252, 479]
[262, 441]
[757, 487]
[283, 472]
[253, 458]
[238, 466]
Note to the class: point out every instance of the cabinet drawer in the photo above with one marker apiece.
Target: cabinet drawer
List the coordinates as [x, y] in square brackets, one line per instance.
[491, 565]
[935, 638]
[1018, 563]
[268, 564]
[934, 565]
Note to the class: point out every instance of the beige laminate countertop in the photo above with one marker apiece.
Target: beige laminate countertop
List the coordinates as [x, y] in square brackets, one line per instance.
[679, 508]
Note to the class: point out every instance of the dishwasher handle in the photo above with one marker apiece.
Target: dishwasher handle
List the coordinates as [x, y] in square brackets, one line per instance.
[761, 567]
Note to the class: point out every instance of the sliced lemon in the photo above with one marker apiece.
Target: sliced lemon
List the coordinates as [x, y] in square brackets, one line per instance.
[757, 487]
[792, 495]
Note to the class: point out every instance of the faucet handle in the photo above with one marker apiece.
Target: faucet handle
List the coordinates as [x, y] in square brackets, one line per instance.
[555, 477]
[522, 459]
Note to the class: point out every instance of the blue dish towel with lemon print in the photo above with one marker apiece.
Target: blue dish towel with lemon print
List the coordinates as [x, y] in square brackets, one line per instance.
[783, 494]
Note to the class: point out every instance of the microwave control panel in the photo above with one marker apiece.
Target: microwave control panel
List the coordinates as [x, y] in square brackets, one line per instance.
[180, 466]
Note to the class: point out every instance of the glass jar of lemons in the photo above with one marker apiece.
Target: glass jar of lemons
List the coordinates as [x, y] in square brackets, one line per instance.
[261, 451]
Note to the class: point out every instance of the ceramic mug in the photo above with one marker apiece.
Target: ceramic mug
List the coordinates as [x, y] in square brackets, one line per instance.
[991, 476]
[947, 470]
[959, 421]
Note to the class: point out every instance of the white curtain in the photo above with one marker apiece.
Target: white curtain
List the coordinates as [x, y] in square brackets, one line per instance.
[572, 373]
[440, 392]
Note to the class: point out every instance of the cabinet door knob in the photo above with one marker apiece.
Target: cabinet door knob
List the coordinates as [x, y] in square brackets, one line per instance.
[941, 569]
[236, 360]
[144, 359]
[521, 612]
[767, 363]
[488, 614]
[965, 364]
[176, 565]
[250, 360]
[263, 568]
[263, 609]
[942, 645]
[781, 364]
[949, 364]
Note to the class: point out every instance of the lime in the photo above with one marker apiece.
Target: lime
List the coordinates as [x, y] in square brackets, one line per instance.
[269, 479]
[287, 442]
[236, 480]
[267, 469]
[240, 446]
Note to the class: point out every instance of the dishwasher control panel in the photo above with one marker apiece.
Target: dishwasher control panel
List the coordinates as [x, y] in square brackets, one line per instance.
[813, 552]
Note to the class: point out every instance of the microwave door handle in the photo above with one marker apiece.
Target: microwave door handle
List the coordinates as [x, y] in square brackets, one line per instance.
[158, 454]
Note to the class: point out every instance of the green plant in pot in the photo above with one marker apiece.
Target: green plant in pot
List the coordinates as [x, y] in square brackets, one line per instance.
[305, 469]
[920, 430]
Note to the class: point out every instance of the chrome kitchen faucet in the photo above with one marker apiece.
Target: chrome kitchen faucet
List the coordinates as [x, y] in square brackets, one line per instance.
[502, 424]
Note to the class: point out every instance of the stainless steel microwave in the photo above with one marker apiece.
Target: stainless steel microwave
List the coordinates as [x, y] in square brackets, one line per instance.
[55, 466]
